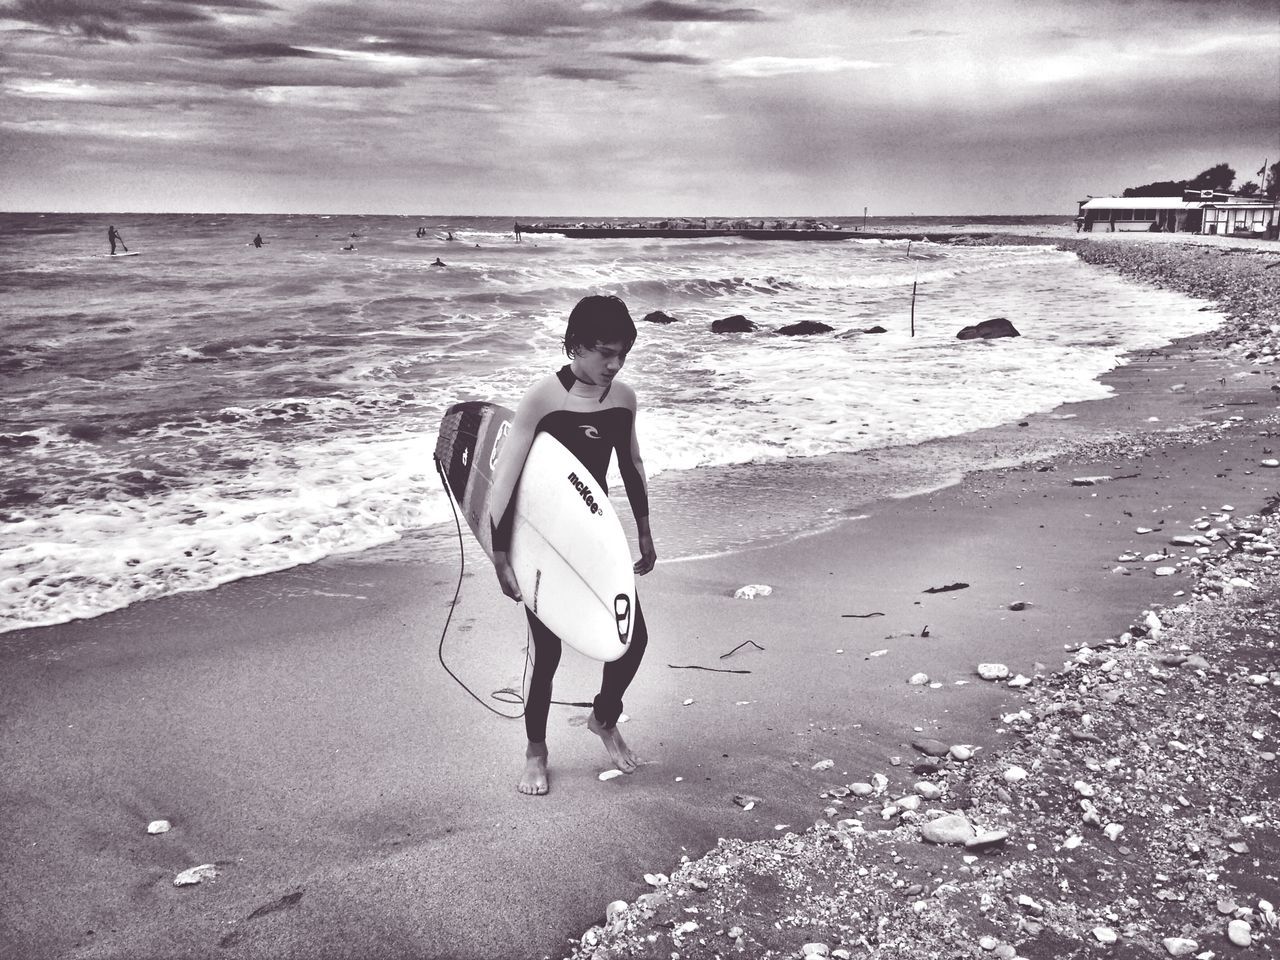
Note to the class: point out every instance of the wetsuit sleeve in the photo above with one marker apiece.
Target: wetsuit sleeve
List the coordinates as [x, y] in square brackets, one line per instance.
[534, 405]
[632, 467]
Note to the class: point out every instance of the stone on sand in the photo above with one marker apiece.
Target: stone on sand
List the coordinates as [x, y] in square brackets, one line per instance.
[194, 875]
[1240, 933]
[951, 828]
[930, 747]
[992, 671]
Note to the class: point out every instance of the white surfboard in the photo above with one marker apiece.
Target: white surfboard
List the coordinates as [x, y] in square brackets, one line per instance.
[570, 555]
[127, 253]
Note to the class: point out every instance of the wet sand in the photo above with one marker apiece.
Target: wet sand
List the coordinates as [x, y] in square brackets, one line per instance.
[299, 734]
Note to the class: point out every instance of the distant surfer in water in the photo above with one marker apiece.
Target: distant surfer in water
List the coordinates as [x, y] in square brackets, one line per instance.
[112, 237]
[593, 414]
[439, 263]
[257, 239]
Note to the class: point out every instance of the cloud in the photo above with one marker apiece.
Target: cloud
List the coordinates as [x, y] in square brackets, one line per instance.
[927, 34]
[268, 50]
[120, 19]
[640, 56]
[688, 12]
[781, 66]
[585, 73]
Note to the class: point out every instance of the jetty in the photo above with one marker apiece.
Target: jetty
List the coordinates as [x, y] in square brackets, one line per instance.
[694, 230]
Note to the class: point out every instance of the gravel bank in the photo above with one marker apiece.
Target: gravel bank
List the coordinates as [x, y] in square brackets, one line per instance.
[1131, 809]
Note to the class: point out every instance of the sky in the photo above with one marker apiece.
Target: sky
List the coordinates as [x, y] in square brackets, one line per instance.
[626, 107]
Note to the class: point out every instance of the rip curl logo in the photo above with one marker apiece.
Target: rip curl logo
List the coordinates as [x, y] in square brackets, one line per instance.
[497, 444]
[587, 494]
[590, 431]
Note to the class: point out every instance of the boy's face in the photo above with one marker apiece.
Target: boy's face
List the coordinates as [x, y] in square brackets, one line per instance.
[598, 365]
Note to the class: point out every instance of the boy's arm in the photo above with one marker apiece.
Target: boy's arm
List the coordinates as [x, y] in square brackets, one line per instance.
[631, 466]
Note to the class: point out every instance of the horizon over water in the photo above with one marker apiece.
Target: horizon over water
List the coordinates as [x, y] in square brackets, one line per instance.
[209, 410]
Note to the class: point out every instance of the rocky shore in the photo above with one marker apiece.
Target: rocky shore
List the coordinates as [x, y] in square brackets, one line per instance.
[1127, 806]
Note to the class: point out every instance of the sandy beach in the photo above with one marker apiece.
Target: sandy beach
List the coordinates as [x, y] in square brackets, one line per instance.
[298, 734]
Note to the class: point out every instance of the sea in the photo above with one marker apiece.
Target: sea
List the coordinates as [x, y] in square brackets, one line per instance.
[210, 410]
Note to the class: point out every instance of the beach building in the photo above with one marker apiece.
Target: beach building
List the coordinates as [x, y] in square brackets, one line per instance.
[1196, 211]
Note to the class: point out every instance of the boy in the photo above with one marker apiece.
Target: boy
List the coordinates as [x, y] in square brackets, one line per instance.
[587, 409]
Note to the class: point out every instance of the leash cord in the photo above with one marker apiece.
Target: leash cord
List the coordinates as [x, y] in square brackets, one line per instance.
[505, 695]
[502, 696]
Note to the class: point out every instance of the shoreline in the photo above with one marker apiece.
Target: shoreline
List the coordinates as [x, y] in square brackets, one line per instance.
[863, 881]
[298, 732]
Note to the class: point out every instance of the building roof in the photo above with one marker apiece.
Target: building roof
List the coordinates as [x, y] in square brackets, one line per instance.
[1142, 203]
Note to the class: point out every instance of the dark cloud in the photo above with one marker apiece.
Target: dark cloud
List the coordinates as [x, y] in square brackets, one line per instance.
[111, 20]
[268, 50]
[673, 11]
[419, 44]
[643, 57]
[585, 73]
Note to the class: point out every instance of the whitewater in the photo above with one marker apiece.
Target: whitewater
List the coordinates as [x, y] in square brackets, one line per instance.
[210, 410]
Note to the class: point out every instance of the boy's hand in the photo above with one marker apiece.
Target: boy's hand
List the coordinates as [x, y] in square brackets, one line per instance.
[506, 576]
[648, 556]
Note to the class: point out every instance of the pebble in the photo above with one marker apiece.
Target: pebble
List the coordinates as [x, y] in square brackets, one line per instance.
[1113, 830]
[1269, 463]
[992, 671]
[928, 789]
[823, 765]
[1015, 775]
[912, 803]
[930, 747]
[1180, 946]
[615, 909]
[815, 950]
[952, 828]
[752, 590]
[1240, 933]
[1006, 952]
[609, 774]
[206, 871]
[1166, 571]
[734, 933]
[1105, 935]
[988, 943]
[961, 752]
[159, 826]
[861, 789]
[918, 679]
[1019, 681]
[987, 838]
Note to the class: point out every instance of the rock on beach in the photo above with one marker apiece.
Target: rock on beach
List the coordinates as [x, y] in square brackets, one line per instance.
[988, 330]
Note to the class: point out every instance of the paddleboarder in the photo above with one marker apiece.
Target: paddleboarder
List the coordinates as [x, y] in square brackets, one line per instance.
[591, 412]
[112, 237]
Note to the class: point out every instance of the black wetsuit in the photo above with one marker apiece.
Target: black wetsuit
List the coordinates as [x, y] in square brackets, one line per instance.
[593, 423]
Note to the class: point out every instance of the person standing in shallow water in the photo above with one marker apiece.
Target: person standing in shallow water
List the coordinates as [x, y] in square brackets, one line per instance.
[593, 414]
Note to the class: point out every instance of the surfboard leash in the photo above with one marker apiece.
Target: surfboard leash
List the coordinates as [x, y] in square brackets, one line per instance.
[510, 696]
[504, 695]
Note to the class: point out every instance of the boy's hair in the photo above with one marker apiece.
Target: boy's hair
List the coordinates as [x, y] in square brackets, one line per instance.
[598, 319]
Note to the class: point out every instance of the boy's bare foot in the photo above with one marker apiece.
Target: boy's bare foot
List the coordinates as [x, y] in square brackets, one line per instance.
[534, 779]
[619, 752]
